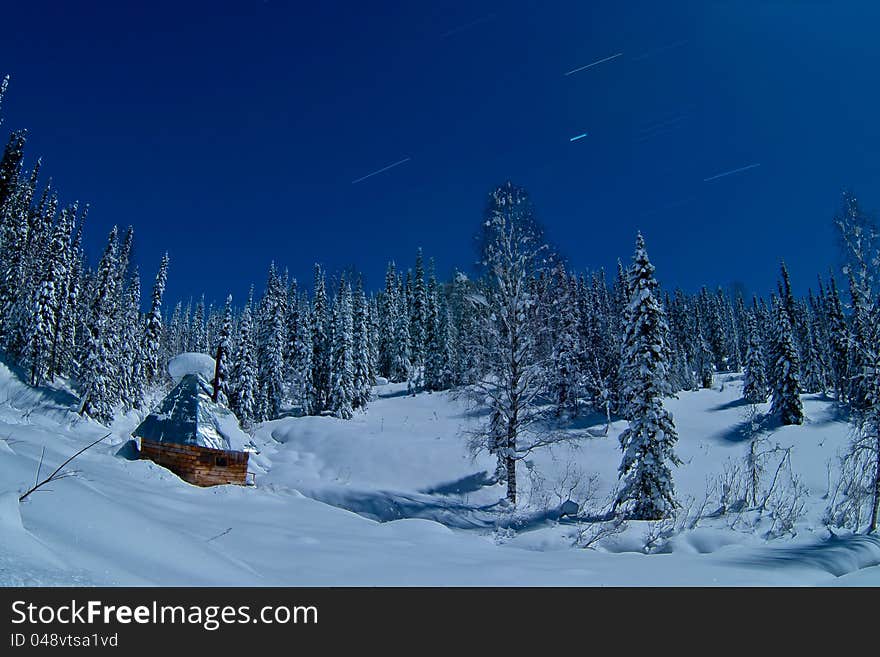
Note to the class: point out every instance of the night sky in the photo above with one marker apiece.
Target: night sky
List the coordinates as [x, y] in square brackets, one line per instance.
[230, 133]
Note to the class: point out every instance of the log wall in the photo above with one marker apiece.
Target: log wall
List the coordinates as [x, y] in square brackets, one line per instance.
[201, 466]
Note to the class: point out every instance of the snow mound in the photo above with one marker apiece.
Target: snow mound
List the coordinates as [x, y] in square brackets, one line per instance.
[191, 363]
[10, 515]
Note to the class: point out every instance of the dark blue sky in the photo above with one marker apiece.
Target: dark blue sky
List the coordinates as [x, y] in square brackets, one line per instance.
[230, 132]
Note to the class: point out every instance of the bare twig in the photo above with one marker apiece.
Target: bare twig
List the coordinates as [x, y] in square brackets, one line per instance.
[55, 476]
[40, 465]
[223, 533]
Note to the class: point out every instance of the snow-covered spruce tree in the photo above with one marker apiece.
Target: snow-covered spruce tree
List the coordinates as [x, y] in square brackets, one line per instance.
[795, 315]
[297, 352]
[565, 380]
[303, 358]
[11, 166]
[270, 348]
[417, 319]
[602, 348]
[319, 379]
[839, 342]
[785, 374]
[60, 261]
[291, 326]
[49, 301]
[620, 301]
[14, 234]
[813, 373]
[467, 317]
[360, 349]
[755, 378]
[153, 371]
[647, 490]
[681, 331]
[401, 365]
[43, 321]
[186, 336]
[223, 356]
[387, 319]
[861, 322]
[171, 337]
[433, 374]
[732, 332]
[704, 357]
[342, 391]
[98, 375]
[124, 258]
[32, 274]
[713, 325]
[243, 376]
[373, 337]
[4, 85]
[198, 341]
[513, 372]
[131, 339]
[65, 349]
[448, 340]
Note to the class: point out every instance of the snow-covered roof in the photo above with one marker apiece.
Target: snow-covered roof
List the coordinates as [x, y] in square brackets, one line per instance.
[191, 363]
[188, 416]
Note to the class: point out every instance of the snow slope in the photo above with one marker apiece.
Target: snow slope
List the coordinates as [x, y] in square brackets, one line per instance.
[322, 484]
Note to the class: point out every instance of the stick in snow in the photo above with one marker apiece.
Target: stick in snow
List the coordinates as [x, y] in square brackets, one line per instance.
[54, 475]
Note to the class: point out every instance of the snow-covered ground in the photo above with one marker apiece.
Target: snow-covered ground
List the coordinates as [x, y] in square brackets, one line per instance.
[394, 498]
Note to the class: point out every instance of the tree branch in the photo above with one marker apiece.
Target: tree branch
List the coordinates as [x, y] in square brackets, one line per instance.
[55, 475]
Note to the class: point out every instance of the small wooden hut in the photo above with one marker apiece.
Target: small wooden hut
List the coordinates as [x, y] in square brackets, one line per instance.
[197, 439]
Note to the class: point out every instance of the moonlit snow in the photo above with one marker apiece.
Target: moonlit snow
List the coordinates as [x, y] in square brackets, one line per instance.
[392, 497]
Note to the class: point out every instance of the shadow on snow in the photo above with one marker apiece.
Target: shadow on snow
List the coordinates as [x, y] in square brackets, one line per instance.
[837, 555]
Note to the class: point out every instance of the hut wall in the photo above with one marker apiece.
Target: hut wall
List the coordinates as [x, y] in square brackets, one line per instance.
[201, 466]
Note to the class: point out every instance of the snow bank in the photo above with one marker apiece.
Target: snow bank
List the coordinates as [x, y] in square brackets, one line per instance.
[10, 516]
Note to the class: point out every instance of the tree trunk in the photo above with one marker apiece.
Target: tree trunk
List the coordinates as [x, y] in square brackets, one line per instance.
[510, 460]
[216, 382]
[511, 479]
[875, 506]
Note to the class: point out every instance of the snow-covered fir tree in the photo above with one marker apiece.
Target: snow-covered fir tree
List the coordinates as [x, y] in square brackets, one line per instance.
[319, 379]
[785, 374]
[297, 354]
[387, 320]
[198, 338]
[401, 364]
[154, 328]
[131, 339]
[704, 356]
[271, 341]
[566, 345]
[417, 330]
[362, 381]
[647, 490]
[243, 376]
[223, 356]
[434, 373]
[342, 393]
[98, 372]
[755, 378]
[838, 342]
[374, 329]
